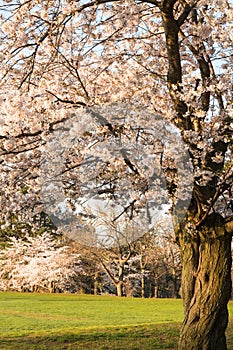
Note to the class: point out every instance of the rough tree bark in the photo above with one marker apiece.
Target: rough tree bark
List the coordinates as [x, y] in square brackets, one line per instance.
[206, 285]
[205, 246]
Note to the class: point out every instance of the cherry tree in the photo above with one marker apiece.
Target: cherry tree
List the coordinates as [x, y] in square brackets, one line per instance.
[65, 60]
[39, 263]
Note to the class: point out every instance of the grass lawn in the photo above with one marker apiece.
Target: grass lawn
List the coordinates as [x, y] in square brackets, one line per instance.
[83, 322]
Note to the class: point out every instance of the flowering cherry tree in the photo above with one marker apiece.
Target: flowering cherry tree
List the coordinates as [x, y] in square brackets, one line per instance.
[66, 59]
[38, 263]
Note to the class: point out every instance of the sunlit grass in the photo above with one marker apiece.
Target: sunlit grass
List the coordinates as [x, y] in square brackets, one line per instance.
[58, 321]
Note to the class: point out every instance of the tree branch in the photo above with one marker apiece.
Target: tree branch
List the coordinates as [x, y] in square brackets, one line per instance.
[131, 204]
[186, 12]
[59, 99]
[174, 74]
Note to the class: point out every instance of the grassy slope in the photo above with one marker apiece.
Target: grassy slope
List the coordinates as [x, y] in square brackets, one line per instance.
[40, 321]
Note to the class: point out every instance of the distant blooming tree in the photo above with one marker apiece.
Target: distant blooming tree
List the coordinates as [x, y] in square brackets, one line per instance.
[39, 264]
[109, 68]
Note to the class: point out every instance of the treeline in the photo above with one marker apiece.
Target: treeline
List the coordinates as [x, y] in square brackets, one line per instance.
[44, 262]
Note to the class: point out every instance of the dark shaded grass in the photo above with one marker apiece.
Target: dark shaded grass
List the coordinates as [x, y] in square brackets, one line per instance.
[151, 337]
[159, 336]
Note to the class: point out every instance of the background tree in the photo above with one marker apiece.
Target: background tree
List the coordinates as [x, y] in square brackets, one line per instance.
[40, 263]
[159, 264]
[172, 57]
[114, 259]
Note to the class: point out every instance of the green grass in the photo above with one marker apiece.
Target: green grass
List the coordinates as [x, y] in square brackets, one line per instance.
[56, 321]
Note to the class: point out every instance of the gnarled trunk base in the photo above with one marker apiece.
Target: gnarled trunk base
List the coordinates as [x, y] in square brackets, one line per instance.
[206, 286]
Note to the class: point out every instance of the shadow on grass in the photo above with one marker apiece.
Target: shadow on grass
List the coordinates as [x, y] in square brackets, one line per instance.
[147, 337]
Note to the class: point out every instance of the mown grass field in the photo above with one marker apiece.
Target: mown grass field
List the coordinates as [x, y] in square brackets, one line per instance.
[81, 322]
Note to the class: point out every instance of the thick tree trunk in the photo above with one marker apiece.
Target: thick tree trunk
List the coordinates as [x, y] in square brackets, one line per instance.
[206, 285]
